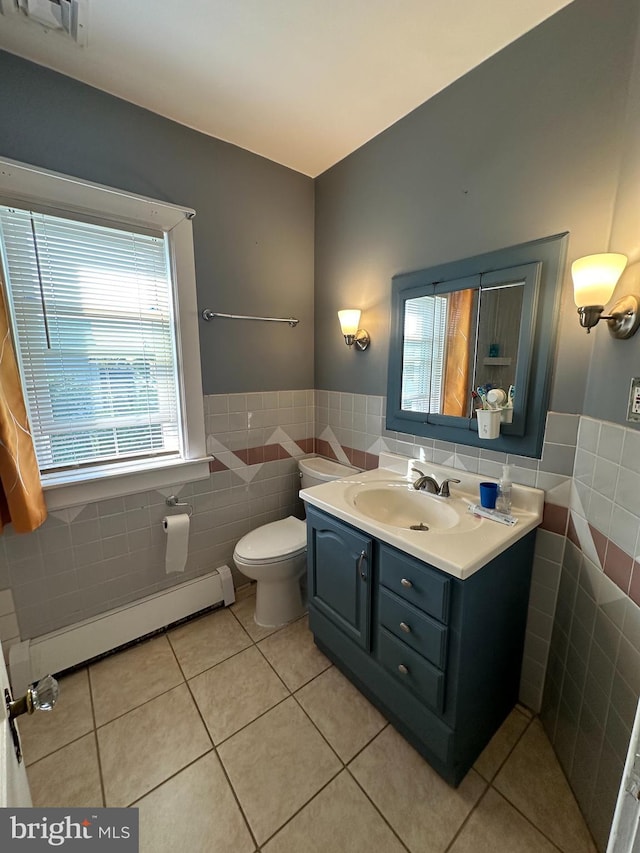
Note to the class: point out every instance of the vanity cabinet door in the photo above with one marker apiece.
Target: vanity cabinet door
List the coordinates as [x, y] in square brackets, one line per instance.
[339, 563]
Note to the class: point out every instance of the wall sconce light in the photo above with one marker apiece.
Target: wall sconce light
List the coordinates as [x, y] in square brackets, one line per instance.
[349, 322]
[594, 280]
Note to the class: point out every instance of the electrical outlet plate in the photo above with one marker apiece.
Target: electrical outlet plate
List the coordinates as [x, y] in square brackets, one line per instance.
[633, 410]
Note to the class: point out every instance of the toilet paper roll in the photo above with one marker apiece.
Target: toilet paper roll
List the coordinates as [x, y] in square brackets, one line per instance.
[176, 528]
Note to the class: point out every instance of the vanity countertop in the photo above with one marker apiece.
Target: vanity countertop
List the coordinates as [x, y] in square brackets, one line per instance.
[460, 549]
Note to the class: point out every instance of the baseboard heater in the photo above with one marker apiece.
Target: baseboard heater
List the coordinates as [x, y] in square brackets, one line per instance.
[67, 647]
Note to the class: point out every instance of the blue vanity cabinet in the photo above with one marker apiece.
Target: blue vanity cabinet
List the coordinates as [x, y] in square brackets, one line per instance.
[439, 656]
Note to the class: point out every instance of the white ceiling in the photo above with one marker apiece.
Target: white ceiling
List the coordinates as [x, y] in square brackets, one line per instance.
[302, 82]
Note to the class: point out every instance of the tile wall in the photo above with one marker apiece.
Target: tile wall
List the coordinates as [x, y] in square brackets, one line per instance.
[593, 681]
[89, 559]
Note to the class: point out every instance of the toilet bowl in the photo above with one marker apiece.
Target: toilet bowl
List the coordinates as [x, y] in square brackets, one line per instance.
[275, 554]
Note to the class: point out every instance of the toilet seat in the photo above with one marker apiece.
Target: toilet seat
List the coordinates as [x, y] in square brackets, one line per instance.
[273, 542]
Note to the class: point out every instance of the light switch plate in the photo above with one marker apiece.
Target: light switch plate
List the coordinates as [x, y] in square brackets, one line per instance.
[633, 410]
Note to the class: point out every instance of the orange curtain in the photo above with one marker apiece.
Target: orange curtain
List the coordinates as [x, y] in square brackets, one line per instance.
[456, 386]
[21, 497]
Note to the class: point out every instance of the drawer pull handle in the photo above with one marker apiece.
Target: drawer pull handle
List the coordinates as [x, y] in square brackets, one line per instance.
[406, 583]
[361, 559]
[404, 627]
[403, 669]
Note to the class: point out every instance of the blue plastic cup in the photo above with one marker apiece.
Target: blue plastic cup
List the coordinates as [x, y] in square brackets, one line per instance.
[488, 495]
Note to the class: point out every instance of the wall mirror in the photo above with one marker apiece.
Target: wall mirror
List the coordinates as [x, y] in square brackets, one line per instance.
[483, 321]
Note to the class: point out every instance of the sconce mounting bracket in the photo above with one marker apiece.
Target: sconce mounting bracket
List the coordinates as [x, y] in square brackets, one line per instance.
[625, 317]
[362, 339]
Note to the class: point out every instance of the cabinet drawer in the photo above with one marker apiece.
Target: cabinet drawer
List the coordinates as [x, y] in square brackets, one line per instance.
[413, 627]
[410, 669]
[418, 584]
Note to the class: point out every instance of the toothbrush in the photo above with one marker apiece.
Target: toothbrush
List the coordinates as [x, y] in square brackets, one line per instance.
[510, 395]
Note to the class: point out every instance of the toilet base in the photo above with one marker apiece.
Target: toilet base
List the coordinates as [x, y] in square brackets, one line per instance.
[278, 602]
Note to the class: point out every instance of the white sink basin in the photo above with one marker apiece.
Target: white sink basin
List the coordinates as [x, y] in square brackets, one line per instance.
[400, 505]
[383, 503]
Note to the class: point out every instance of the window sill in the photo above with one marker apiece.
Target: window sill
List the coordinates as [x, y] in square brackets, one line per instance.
[93, 484]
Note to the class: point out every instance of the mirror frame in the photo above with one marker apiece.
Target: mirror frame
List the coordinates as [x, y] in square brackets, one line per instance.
[540, 264]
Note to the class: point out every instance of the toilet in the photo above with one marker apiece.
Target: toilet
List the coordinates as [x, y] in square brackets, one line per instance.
[275, 554]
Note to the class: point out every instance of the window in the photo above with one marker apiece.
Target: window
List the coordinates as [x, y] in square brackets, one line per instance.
[101, 302]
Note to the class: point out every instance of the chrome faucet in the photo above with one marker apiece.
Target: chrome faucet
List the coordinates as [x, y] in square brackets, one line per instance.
[425, 482]
[430, 485]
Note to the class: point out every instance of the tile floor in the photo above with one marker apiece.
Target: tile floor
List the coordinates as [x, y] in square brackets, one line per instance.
[231, 739]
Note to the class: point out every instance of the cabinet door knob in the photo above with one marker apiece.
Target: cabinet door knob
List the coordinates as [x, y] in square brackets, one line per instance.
[406, 583]
[403, 669]
[361, 559]
[404, 627]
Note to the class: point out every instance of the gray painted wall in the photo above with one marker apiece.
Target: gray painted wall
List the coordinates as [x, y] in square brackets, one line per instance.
[614, 362]
[520, 148]
[253, 231]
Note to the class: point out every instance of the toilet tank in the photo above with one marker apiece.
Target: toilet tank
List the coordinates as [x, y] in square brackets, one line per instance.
[315, 470]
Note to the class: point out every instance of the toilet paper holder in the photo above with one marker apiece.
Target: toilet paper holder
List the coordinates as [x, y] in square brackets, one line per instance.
[172, 500]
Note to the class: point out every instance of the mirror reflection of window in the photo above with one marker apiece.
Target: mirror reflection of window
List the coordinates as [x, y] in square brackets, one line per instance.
[423, 353]
[438, 353]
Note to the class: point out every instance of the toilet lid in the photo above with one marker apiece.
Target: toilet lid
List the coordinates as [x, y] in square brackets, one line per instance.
[279, 539]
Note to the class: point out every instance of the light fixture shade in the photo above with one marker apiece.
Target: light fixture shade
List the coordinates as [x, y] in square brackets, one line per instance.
[595, 277]
[349, 320]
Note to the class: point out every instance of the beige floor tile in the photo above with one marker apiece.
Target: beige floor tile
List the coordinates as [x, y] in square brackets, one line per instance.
[244, 610]
[532, 780]
[195, 811]
[149, 744]
[401, 784]
[206, 641]
[69, 777]
[341, 712]
[339, 818]
[496, 827]
[129, 678]
[235, 692]
[276, 765]
[491, 758]
[294, 655]
[72, 717]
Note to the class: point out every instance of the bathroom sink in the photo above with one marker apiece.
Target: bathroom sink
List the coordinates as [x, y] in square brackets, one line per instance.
[400, 505]
[383, 503]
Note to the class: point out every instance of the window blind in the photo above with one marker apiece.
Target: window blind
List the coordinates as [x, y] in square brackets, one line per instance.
[93, 321]
[423, 353]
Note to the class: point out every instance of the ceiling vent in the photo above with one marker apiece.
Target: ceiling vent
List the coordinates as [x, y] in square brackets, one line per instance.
[65, 16]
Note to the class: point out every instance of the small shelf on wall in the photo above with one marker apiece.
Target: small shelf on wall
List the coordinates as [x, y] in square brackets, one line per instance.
[495, 361]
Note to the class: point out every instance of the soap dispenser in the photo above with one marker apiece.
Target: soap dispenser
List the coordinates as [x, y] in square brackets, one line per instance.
[503, 502]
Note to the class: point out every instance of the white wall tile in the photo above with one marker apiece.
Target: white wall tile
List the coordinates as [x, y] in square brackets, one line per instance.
[6, 602]
[605, 477]
[9, 627]
[588, 434]
[624, 529]
[610, 442]
[627, 492]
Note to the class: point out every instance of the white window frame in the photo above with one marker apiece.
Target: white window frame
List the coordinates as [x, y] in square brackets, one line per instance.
[20, 182]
